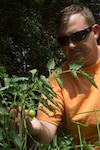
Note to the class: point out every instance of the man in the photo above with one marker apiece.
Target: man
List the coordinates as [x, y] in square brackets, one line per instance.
[77, 33]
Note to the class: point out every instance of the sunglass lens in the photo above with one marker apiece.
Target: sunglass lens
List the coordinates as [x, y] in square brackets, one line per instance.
[81, 35]
[76, 37]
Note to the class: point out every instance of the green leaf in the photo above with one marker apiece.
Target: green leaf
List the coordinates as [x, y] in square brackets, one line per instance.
[4, 88]
[89, 77]
[7, 81]
[86, 145]
[16, 79]
[15, 139]
[59, 81]
[23, 87]
[74, 74]
[97, 143]
[51, 65]
[43, 101]
[46, 89]
[43, 111]
[54, 143]
[1, 134]
[75, 65]
[3, 111]
[49, 97]
[45, 81]
[50, 91]
[2, 69]
[59, 70]
[34, 73]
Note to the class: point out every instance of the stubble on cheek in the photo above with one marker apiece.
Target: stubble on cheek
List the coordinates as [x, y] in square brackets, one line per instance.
[77, 56]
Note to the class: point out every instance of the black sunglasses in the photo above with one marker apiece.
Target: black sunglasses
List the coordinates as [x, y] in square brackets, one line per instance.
[75, 37]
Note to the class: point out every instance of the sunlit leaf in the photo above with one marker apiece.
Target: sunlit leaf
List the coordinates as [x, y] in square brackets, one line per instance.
[4, 88]
[59, 70]
[16, 79]
[23, 87]
[43, 101]
[7, 81]
[75, 65]
[49, 97]
[59, 81]
[45, 81]
[74, 74]
[48, 94]
[39, 108]
[34, 73]
[86, 145]
[89, 77]
[50, 91]
[55, 142]
[51, 65]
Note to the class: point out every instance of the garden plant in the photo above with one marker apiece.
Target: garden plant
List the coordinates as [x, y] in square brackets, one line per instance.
[25, 92]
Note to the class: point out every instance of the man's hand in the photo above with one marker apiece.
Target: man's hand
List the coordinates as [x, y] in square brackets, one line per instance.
[41, 131]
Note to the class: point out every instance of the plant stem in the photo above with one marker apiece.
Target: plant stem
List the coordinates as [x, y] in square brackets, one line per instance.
[97, 123]
[79, 133]
[20, 127]
[21, 120]
[25, 126]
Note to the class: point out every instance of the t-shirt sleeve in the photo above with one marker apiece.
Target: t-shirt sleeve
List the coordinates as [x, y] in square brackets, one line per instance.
[54, 118]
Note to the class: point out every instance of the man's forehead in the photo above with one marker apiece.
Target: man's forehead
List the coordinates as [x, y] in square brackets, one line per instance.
[76, 22]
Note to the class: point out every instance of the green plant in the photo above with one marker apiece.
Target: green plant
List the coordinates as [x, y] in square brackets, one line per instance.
[24, 92]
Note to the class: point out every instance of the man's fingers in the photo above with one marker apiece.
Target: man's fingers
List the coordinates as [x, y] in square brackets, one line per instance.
[12, 122]
[8, 109]
[14, 112]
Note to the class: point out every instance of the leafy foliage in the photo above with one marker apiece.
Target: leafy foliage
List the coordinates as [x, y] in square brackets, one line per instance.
[28, 35]
[75, 67]
[25, 92]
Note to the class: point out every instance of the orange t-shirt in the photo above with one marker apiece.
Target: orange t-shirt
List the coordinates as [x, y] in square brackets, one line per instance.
[79, 101]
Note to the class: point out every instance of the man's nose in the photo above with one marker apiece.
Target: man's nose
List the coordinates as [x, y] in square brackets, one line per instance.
[71, 44]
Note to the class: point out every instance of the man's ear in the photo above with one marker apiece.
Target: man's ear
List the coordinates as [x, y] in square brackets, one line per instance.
[96, 30]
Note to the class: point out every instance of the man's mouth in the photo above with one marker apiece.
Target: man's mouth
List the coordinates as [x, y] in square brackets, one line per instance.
[74, 52]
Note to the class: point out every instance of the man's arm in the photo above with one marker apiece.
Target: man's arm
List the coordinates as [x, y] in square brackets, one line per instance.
[41, 131]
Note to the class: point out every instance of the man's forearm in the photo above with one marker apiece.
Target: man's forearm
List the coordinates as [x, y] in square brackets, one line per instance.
[44, 135]
[42, 131]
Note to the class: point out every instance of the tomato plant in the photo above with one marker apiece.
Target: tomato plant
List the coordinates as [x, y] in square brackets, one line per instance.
[24, 92]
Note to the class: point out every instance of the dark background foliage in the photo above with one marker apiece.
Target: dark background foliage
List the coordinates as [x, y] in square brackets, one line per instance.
[28, 35]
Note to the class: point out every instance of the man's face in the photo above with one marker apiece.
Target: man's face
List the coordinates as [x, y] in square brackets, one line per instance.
[80, 46]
